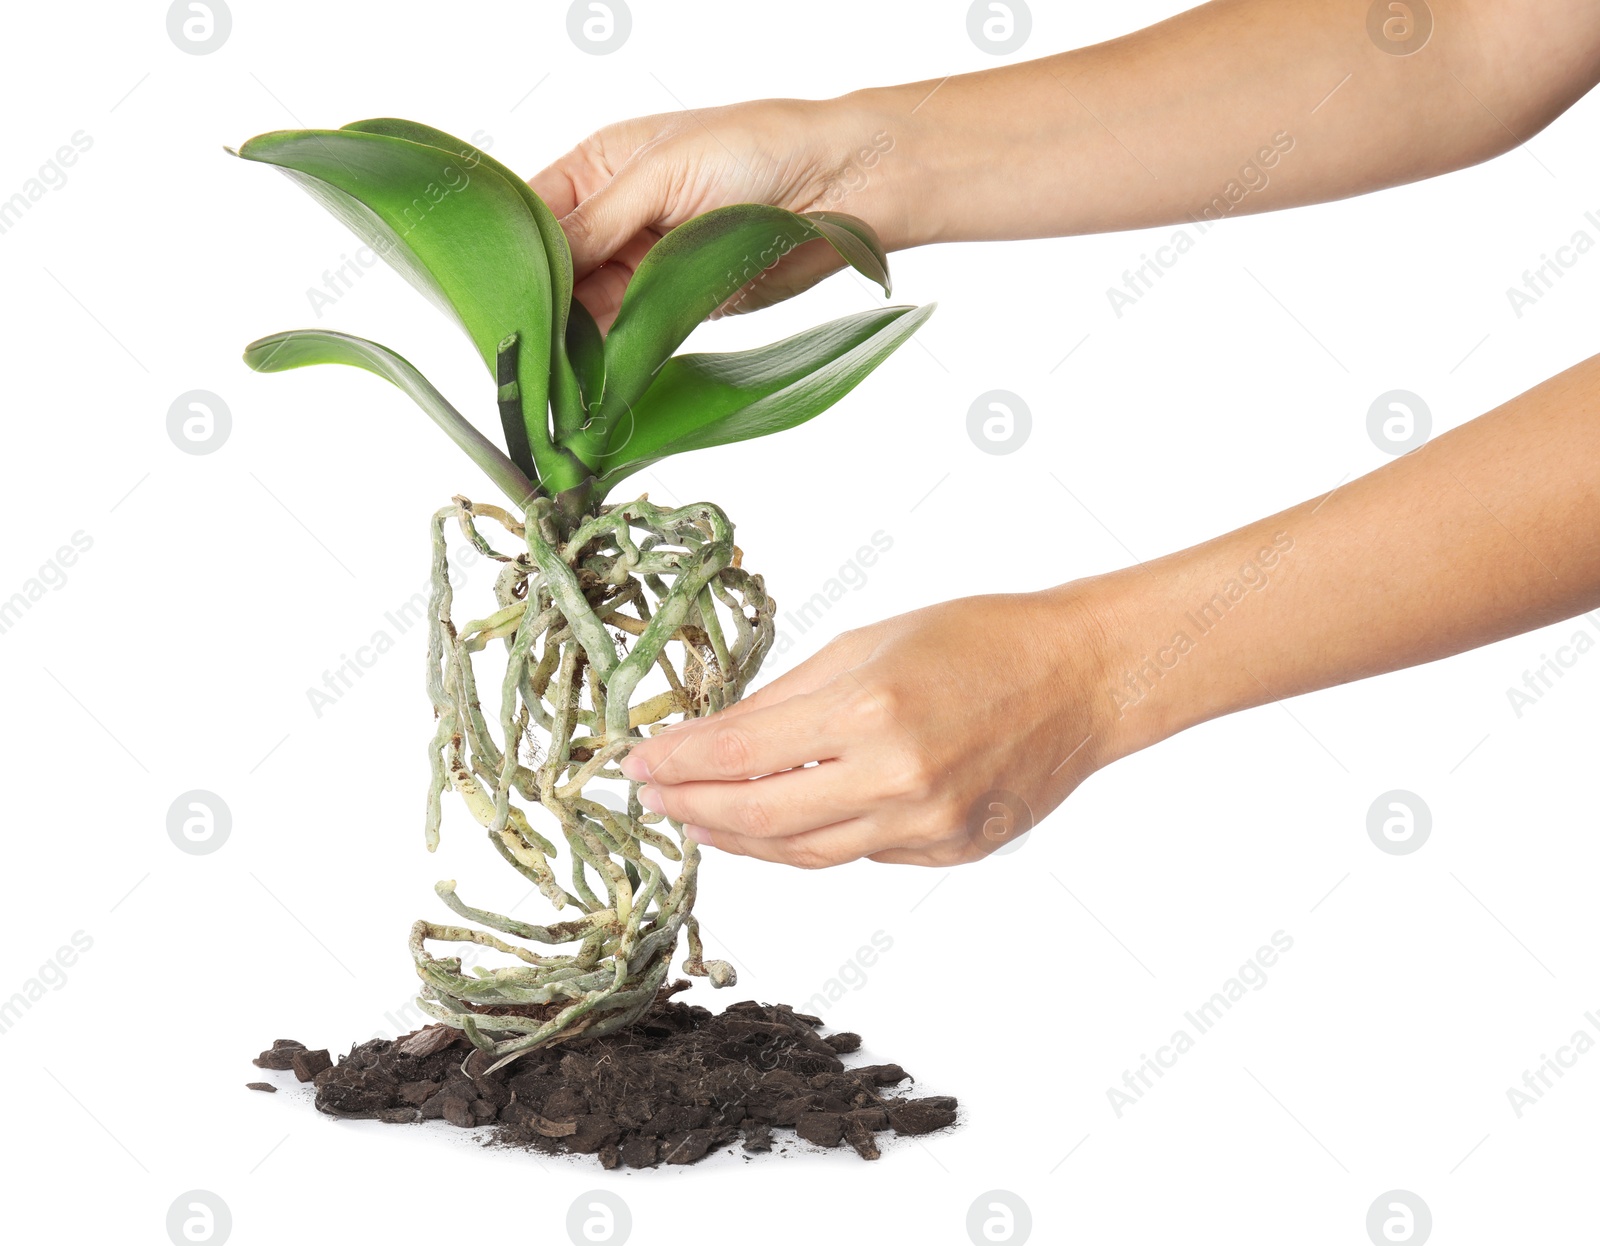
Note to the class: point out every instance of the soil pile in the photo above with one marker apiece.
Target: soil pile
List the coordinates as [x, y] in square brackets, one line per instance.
[671, 1088]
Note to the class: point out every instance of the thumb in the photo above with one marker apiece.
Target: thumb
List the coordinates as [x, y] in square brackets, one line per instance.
[608, 219]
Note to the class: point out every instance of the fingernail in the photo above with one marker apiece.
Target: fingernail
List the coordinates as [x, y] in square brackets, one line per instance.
[650, 798]
[697, 833]
[635, 768]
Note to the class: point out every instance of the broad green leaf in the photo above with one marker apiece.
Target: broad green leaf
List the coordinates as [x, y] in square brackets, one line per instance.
[699, 266]
[566, 397]
[699, 401]
[301, 347]
[456, 230]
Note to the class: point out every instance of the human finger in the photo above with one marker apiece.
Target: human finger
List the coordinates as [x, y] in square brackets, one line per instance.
[781, 736]
[814, 850]
[787, 803]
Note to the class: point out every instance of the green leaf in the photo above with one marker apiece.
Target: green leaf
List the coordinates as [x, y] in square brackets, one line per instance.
[298, 348]
[699, 266]
[587, 351]
[857, 244]
[699, 401]
[457, 230]
[566, 395]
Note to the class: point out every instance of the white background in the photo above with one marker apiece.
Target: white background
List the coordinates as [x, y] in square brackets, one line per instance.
[219, 588]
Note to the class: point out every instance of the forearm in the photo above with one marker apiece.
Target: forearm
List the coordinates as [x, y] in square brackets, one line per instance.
[1237, 106]
[1487, 531]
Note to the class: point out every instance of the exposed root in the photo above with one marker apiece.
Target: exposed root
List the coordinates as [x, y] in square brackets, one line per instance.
[571, 706]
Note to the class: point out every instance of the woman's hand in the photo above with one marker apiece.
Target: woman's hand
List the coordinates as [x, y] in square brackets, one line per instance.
[620, 189]
[938, 737]
[1173, 124]
[941, 734]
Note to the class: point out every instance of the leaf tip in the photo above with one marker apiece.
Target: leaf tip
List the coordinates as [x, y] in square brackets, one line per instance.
[260, 355]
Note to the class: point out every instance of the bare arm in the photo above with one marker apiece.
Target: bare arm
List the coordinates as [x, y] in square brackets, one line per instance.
[1490, 530]
[1149, 129]
[1290, 101]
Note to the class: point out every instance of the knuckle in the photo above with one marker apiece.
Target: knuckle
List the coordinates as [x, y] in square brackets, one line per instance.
[942, 856]
[936, 825]
[756, 819]
[872, 709]
[911, 775]
[729, 844]
[890, 702]
[948, 813]
[597, 149]
[578, 226]
[844, 641]
[678, 760]
[730, 750]
[805, 857]
[856, 639]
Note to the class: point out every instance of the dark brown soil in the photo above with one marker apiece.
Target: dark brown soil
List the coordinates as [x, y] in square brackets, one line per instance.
[670, 1089]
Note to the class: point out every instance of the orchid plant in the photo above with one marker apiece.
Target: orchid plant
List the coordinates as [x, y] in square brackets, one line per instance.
[609, 619]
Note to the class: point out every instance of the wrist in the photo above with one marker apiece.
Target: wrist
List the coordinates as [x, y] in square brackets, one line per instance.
[1140, 670]
[884, 154]
[1084, 625]
[1198, 634]
[1141, 706]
